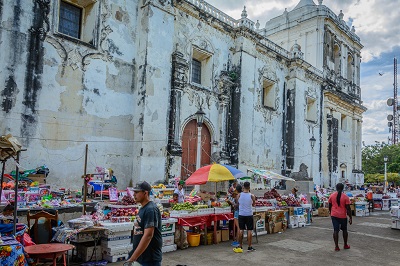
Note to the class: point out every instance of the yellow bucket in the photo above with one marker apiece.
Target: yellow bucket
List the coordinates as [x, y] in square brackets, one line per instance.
[193, 239]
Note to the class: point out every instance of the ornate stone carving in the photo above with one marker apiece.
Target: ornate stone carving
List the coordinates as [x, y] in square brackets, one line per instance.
[77, 56]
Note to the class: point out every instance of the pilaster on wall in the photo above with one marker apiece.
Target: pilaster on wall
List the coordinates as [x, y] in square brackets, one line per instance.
[154, 68]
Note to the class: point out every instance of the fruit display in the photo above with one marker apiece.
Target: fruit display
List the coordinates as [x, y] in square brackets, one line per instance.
[159, 186]
[263, 203]
[122, 212]
[185, 206]
[272, 194]
[127, 200]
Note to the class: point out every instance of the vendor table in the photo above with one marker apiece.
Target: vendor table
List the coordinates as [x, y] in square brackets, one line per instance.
[12, 252]
[205, 220]
[219, 217]
[49, 251]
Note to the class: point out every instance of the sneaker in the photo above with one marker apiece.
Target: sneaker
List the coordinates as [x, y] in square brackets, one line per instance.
[251, 249]
[238, 250]
[346, 247]
[337, 249]
[235, 244]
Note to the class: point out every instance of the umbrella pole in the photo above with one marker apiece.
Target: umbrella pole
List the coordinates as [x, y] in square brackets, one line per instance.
[16, 194]
[2, 178]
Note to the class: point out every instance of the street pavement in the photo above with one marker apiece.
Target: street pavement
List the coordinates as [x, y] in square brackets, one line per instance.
[372, 242]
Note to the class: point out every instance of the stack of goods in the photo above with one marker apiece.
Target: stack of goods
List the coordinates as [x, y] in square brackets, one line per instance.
[185, 209]
[116, 241]
[297, 217]
[276, 221]
[395, 213]
[385, 202]
[168, 232]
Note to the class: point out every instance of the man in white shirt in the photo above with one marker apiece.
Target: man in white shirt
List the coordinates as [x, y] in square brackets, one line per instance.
[246, 222]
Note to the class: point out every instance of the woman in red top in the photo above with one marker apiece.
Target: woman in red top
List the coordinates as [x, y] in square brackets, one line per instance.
[339, 206]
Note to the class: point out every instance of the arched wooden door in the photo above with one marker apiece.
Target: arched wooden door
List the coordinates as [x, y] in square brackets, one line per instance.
[189, 148]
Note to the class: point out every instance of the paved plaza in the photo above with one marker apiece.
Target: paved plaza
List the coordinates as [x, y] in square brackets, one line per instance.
[372, 242]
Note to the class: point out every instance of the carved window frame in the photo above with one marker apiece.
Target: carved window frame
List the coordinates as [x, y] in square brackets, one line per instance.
[206, 59]
[268, 94]
[89, 24]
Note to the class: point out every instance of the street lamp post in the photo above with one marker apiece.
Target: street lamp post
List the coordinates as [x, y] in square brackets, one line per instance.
[199, 118]
[385, 159]
[312, 143]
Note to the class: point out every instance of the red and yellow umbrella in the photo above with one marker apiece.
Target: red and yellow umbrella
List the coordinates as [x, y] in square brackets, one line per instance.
[211, 173]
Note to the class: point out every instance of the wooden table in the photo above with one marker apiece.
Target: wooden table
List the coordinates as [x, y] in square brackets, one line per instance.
[49, 251]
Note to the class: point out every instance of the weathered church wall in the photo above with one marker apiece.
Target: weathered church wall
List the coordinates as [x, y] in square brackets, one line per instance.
[69, 93]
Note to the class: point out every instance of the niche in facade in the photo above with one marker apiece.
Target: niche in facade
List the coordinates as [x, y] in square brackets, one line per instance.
[78, 19]
[343, 122]
[268, 94]
[311, 114]
[350, 65]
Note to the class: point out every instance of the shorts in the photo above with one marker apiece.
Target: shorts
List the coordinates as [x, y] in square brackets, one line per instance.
[236, 215]
[246, 222]
[339, 224]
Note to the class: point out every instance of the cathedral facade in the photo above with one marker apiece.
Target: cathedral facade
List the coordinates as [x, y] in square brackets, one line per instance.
[157, 88]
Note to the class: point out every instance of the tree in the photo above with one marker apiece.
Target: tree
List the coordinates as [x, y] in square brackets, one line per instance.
[373, 162]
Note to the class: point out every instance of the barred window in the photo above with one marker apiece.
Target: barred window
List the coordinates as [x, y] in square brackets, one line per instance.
[70, 20]
[196, 71]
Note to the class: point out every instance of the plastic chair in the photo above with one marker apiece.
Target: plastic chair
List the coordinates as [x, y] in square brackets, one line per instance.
[47, 225]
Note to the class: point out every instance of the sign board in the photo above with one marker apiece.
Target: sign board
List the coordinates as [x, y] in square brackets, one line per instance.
[113, 194]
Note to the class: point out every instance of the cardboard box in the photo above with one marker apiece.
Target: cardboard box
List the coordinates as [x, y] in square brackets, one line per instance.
[224, 235]
[89, 254]
[204, 196]
[219, 236]
[41, 178]
[323, 212]
[273, 228]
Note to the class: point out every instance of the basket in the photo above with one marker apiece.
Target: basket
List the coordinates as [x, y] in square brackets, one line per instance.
[193, 239]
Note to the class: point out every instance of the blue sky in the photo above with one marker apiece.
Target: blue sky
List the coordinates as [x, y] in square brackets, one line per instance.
[377, 23]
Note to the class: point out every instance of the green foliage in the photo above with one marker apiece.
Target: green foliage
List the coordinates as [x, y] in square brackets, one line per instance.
[373, 163]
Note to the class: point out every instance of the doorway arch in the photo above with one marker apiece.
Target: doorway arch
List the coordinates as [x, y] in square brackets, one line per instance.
[189, 148]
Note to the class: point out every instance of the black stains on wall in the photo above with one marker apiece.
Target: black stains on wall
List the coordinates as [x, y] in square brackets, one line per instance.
[284, 136]
[233, 116]
[34, 66]
[9, 95]
[290, 129]
[333, 134]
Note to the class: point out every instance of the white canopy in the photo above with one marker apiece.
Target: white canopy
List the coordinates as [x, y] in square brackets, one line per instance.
[269, 175]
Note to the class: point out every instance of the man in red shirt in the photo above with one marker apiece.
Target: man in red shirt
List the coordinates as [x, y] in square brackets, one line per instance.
[339, 206]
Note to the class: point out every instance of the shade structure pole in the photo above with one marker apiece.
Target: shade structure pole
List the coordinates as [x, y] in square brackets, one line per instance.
[2, 174]
[16, 194]
[84, 180]
[198, 153]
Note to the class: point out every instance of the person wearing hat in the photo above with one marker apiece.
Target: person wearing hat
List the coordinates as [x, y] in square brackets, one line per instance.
[180, 191]
[147, 239]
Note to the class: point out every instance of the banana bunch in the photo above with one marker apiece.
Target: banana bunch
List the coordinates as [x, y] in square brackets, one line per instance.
[159, 186]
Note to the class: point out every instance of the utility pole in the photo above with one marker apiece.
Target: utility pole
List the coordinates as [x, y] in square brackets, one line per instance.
[393, 123]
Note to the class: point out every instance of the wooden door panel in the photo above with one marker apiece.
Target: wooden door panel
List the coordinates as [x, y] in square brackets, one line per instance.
[189, 148]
